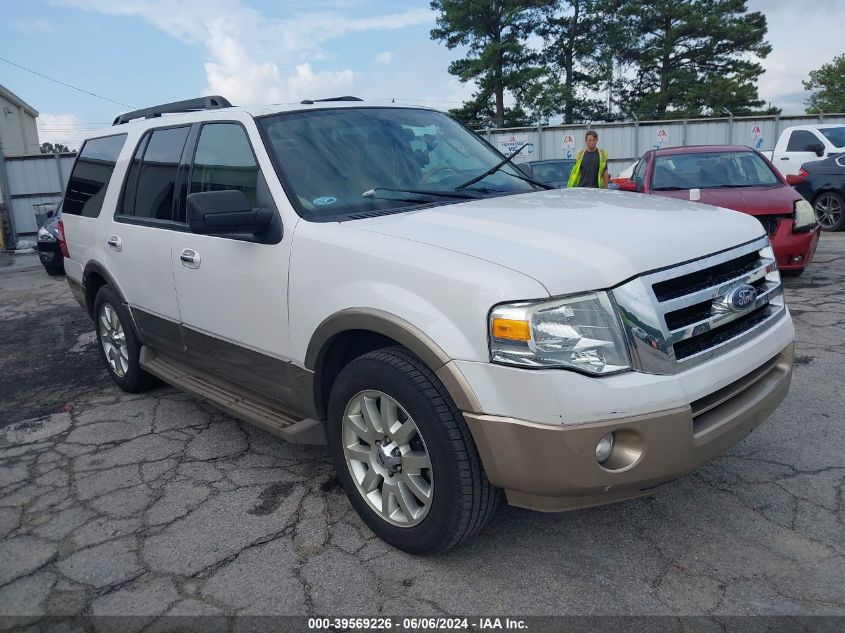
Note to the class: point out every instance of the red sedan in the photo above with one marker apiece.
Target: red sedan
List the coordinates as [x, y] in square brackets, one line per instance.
[739, 178]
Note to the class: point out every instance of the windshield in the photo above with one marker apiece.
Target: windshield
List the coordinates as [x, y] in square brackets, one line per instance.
[346, 161]
[835, 135]
[711, 169]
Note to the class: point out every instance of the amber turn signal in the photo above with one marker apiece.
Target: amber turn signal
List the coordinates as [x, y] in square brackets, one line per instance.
[511, 330]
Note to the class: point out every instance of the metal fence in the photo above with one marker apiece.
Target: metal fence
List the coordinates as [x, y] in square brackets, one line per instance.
[626, 142]
[33, 186]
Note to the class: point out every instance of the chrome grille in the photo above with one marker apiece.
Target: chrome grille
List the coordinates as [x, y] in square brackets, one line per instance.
[679, 317]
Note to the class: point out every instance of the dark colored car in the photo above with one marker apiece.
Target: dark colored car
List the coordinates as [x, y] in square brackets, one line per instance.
[553, 172]
[822, 183]
[734, 177]
[49, 246]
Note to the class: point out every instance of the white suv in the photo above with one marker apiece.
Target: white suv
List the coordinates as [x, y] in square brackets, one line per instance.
[382, 279]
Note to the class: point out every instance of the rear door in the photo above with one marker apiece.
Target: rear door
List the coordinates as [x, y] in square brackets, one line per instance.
[233, 291]
[139, 241]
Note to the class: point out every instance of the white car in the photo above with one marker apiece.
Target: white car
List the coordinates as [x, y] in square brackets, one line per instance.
[381, 279]
[801, 144]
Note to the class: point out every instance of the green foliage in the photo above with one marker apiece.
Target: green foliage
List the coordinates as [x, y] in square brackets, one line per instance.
[689, 57]
[495, 34]
[58, 148]
[480, 112]
[578, 39]
[828, 87]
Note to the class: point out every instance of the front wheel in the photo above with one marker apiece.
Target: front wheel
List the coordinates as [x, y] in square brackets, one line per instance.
[829, 211]
[119, 346]
[404, 454]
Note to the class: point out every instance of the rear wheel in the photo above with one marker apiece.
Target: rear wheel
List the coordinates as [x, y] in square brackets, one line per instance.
[404, 454]
[119, 346]
[829, 211]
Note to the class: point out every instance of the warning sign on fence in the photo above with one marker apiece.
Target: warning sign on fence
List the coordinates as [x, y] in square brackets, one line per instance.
[756, 137]
[569, 146]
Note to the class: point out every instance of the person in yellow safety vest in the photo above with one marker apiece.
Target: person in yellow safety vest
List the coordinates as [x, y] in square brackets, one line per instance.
[590, 168]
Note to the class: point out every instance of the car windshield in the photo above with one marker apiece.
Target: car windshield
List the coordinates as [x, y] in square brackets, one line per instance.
[835, 135]
[348, 161]
[711, 169]
[557, 171]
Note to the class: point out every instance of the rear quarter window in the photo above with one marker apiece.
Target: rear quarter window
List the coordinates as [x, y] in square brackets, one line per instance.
[90, 177]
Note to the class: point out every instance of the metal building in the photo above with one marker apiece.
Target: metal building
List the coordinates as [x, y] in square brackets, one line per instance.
[18, 137]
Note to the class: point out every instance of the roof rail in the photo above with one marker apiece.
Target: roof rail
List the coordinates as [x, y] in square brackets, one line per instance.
[188, 105]
[346, 98]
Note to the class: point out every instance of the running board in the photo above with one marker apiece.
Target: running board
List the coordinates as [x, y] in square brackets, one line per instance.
[241, 403]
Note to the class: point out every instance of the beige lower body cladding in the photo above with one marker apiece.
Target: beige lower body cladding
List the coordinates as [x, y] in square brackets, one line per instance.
[553, 468]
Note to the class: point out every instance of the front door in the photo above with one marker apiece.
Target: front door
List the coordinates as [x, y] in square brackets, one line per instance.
[233, 292]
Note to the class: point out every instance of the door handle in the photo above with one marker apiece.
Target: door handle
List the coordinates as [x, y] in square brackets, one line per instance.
[115, 243]
[190, 258]
[784, 157]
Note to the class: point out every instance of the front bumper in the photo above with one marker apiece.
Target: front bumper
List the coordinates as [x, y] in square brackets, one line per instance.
[551, 468]
[793, 251]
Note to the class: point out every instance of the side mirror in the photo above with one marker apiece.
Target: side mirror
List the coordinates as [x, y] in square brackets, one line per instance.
[816, 148]
[221, 212]
[794, 179]
[628, 185]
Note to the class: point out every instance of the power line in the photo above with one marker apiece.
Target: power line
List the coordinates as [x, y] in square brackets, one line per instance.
[29, 70]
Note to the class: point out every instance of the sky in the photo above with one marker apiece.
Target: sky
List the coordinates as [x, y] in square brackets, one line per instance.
[137, 53]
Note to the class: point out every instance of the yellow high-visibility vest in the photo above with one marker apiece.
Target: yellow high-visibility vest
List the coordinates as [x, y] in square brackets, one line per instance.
[575, 175]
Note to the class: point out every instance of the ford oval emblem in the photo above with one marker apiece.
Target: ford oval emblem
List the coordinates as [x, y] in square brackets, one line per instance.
[741, 297]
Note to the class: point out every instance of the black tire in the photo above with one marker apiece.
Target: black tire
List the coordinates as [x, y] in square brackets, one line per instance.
[134, 379]
[463, 500]
[55, 271]
[830, 197]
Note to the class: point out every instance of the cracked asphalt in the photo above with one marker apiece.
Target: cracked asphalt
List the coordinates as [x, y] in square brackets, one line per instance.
[153, 504]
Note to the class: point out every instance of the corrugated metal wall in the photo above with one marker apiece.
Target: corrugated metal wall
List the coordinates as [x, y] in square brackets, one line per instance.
[34, 180]
[626, 142]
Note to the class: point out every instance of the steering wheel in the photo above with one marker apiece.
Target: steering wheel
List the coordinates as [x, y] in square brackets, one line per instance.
[434, 172]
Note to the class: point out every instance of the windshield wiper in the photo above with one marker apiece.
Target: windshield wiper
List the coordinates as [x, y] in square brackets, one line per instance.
[501, 164]
[422, 193]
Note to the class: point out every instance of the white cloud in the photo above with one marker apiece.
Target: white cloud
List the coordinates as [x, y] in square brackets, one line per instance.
[795, 50]
[253, 58]
[384, 58]
[66, 129]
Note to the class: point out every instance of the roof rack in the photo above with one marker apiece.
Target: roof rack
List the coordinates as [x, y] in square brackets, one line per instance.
[188, 105]
[346, 98]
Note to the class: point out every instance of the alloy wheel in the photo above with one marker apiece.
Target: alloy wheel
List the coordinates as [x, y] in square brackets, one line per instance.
[113, 340]
[828, 210]
[387, 458]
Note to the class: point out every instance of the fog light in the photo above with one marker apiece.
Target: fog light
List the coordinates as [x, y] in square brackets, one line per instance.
[797, 259]
[604, 448]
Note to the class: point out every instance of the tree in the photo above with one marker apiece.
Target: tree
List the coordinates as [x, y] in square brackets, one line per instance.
[828, 86]
[58, 148]
[480, 111]
[686, 57]
[495, 32]
[578, 42]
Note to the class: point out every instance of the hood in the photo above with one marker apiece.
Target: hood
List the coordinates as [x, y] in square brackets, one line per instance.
[775, 200]
[573, 240]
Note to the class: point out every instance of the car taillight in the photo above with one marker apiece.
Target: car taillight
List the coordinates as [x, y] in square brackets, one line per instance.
[62, 241]
[803, 173]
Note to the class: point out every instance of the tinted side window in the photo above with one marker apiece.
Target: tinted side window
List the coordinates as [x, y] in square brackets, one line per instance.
[127, 202]
[799, 141]
[157, 176]
[224, 161]
[639, 170]
[91, 174]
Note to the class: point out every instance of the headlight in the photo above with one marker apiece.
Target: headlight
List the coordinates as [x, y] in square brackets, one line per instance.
[805, 216]
[580, 333]
[45, 236]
